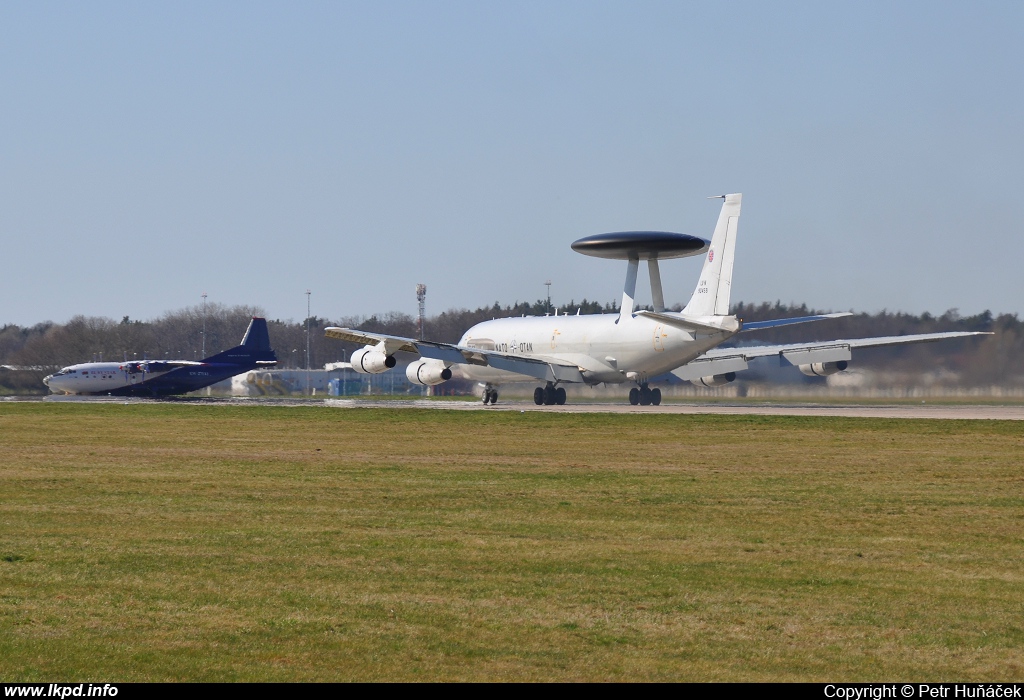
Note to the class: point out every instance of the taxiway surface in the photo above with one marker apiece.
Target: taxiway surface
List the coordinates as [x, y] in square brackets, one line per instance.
[944, 411]
[926, 411]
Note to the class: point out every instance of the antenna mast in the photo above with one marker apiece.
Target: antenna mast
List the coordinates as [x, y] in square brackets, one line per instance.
[204, 326]
[421, 297]
[308, 292]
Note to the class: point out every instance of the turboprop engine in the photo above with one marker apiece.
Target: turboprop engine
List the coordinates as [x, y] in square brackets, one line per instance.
[823, 369]
[428, 372]
[715, 380]
[372, 361]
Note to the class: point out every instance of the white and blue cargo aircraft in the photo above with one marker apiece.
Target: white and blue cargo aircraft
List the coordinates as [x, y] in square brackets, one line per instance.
[631, 347]
[166, 377]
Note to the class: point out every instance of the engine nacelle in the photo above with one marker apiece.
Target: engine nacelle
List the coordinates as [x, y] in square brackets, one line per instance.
[428, 372]
[372, 361]
[823, 369]
[715, 380]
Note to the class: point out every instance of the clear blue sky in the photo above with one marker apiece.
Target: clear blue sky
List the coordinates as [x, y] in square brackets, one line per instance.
[153, 151]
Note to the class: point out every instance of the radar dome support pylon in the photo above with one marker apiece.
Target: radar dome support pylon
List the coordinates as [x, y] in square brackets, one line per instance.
[634, 246]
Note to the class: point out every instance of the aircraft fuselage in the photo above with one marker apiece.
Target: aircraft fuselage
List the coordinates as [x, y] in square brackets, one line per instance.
[605, 347]
[138, 378]
[166, 377]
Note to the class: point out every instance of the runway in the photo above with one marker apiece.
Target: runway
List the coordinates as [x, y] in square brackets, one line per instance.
[943, 411]
[916, 411]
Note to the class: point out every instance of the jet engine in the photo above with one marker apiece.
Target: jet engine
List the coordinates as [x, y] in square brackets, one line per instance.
[372, 361]
[428, 372]
[823, 369]
[715, 380]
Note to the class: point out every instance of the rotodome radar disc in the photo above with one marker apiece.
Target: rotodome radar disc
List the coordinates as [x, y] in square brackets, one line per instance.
[641, 245]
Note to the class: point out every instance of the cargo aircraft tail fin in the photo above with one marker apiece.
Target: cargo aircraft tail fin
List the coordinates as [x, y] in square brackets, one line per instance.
[255, 347]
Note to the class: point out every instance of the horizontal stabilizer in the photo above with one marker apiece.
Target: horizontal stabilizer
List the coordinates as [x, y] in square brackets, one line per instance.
[727, 324]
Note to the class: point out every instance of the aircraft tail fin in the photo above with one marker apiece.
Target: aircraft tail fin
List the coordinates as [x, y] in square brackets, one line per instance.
[712, 295]
[255, 347]
[257, 337]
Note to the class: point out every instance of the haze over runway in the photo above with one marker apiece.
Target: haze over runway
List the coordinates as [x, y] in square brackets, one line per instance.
[150, 153]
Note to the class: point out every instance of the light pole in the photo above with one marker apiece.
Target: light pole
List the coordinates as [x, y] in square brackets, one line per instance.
[548, 283]
[307, 341]
[204, 325]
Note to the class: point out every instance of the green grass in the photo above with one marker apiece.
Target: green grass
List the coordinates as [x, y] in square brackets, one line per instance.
[190, 542]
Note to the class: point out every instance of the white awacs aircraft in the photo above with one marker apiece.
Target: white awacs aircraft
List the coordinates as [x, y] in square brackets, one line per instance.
[630, 347]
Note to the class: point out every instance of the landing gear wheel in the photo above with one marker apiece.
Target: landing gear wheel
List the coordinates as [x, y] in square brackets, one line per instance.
[634, 396]
[549, 395]
[560, 396]
[656, 397]
[645, 396]
[538, 396]
[487, 396]
[490, 394]
[494, 396]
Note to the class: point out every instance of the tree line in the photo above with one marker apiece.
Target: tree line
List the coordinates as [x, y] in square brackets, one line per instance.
[193, 333]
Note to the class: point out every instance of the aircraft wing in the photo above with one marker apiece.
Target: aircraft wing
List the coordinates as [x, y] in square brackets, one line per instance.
[546, 369]
[723, 360]
[392, 344]
[775, 323]
[157, 365]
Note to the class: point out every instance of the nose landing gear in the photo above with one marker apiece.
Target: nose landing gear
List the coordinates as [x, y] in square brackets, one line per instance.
[645, 396]
[549, 395]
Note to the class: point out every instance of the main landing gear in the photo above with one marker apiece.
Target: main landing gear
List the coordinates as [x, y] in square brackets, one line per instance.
[645, 396]
[549, 395]
[490, 394]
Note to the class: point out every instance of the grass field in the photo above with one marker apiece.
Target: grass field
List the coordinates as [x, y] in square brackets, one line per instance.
[183, 542]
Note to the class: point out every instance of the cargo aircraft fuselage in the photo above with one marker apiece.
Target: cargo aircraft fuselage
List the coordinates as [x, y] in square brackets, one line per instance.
[165, 377]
